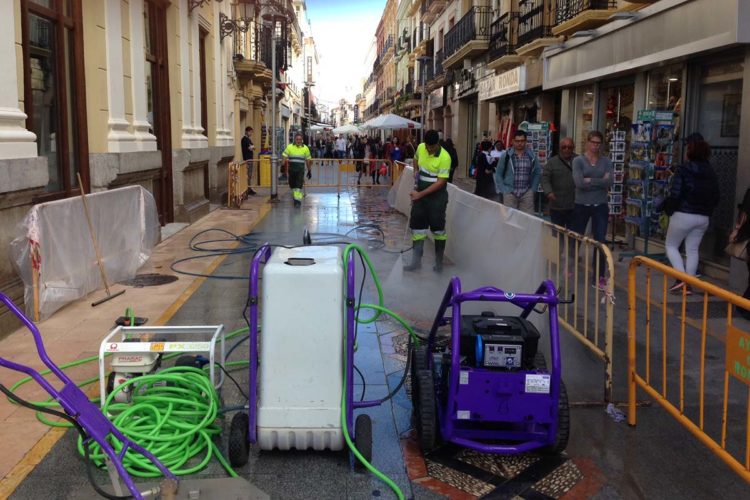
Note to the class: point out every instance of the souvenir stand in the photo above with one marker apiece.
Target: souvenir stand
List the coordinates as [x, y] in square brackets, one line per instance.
[648, 172]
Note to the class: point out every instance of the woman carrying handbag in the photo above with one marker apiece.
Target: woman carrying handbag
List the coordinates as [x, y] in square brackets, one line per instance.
[738, 241]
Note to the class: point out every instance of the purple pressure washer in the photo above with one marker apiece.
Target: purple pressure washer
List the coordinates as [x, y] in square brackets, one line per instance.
[77, 405]
[243, 429]
[491, 390]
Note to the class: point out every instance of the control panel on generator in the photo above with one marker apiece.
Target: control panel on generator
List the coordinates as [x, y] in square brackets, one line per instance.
[498, 342]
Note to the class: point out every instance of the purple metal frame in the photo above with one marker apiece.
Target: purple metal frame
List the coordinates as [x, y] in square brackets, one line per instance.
[536, 415]
[261, 256]
[77, 405]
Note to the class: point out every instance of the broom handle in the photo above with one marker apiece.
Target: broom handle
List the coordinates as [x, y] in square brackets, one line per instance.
[93, 235]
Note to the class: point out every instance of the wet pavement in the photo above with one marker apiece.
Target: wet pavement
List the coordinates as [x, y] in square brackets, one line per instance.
[605, 459]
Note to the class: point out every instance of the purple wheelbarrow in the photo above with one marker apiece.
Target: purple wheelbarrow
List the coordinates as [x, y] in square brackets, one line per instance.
[84, 415]
[488, 388]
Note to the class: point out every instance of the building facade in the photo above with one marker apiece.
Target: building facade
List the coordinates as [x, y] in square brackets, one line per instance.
[122, 92]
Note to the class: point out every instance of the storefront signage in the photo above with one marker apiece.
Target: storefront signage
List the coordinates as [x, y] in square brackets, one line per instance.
[502, 84]
[738, 354]
[436, 98]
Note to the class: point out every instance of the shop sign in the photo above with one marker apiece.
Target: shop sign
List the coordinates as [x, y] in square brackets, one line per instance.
[436, 98]
[738, 354]
[502, 84]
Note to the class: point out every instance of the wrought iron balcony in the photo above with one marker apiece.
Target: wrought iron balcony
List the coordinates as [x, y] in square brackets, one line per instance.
[253, 47]
[575, 15]
[431, 9]
[438, 65]
[461, 40]
[387, 44]
[532, 22]
[502, 33]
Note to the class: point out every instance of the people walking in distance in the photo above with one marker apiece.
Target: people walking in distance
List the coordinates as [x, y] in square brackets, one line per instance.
[341, 147]
[448, 146]
[358, 151]
[429, 198]
[296, 157]
[693, 195]
[377, 152]
[329, 145]
[485, 165]
[592, 175]
[397, 152]
[518, 174]
[558, 184]
[320, 148]
[246, 144]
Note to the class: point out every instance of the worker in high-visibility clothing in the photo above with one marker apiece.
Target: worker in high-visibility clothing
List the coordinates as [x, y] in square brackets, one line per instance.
[432, 166]
[296, 157]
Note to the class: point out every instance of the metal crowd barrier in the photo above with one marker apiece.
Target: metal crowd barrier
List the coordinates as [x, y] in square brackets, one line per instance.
[572, 261]
[699, 373]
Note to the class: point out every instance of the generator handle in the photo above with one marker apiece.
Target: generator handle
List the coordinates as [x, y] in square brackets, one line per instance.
[261, 256]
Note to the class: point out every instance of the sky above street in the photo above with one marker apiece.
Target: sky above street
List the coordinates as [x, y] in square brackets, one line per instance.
[343, 31]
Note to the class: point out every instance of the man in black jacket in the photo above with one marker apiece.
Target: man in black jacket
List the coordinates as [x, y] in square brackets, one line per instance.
[247, 147]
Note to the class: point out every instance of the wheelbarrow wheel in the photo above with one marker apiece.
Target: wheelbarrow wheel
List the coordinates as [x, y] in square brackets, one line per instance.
[239, 447]
[363, 438]
[426, 414]
[563, 424]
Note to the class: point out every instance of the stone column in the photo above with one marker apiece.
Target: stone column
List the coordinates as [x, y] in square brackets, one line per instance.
[145, 141]
[15, 140]
[119, 138]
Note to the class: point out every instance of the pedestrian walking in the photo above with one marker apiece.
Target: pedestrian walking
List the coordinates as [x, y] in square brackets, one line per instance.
[247, 146]
[518, 174]
[592, 175]
[341, 148]
[485, 165]
[739, 238]
[296, 157]
[359, 151]
[558, 184]
[429, 200]
[693, 195]
[448, 145]
[409, 151]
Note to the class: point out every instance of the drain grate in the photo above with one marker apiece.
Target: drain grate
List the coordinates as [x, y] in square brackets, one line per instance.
[150, 279]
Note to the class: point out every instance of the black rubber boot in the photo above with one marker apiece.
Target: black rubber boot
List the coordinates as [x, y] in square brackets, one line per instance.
[439, 252]
[416, 256]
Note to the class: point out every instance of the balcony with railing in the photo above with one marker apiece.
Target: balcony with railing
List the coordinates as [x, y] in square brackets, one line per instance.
[431, 9]
[577, 15]
[387, 45]
[469, 37]
[252, 58]
[535, 20]
[437, 77]
[503, 38]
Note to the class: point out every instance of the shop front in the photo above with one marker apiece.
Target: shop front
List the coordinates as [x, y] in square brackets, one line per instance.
[628, 80]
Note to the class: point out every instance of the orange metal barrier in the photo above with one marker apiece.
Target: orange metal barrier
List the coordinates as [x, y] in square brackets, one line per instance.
[572, 262]
[720, 352]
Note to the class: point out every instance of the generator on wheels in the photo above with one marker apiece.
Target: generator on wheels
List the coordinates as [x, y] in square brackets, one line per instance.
[489, 388]
[306, 353]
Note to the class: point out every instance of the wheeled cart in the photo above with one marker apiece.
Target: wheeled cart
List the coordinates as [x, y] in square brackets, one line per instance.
[306, 354]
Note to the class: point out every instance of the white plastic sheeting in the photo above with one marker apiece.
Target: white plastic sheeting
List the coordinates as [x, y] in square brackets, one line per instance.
[489, 243]
[54, 241]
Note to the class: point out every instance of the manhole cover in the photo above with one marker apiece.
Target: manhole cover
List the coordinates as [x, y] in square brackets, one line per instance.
[150, 279]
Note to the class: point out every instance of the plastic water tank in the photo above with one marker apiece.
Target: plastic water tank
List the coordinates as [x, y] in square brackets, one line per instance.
[301, 349]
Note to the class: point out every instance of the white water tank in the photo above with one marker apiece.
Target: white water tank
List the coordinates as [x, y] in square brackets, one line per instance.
[301, 349]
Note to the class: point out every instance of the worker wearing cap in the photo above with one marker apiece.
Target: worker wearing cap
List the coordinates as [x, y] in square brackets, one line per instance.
[432, 166]
[297, 156]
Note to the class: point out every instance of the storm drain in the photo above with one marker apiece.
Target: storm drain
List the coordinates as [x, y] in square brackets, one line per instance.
[149, 279]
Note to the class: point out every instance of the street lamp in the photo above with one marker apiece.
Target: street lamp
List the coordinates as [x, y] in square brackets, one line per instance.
[279, 16]
[422, 74]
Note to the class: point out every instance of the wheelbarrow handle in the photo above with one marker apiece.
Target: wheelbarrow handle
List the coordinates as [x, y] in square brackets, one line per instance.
[39, 347]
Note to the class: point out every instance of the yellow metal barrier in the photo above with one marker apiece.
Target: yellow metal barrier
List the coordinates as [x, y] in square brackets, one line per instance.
[575, 264]
[721, 355]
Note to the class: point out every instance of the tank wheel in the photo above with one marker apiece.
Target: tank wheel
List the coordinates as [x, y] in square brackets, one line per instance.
[418, 363]
[426, 414]
[563, 424]
[363, 438]
[239, 448]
